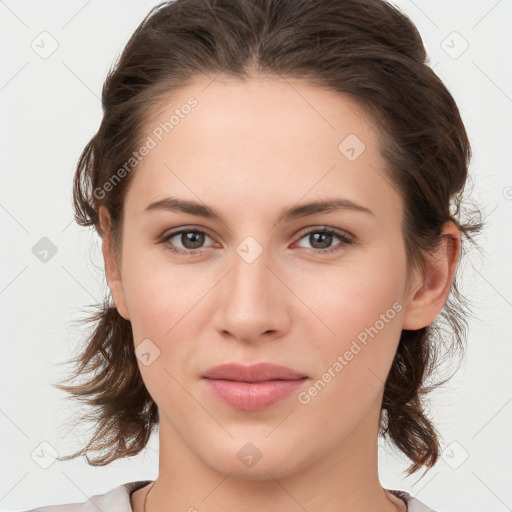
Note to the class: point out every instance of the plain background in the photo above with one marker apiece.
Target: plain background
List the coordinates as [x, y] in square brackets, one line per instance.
[50, 108]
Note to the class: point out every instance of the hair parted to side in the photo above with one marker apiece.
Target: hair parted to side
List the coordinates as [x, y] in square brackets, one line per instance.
[367, 49]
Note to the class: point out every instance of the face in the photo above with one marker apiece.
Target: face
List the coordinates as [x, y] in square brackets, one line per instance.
[256, 285]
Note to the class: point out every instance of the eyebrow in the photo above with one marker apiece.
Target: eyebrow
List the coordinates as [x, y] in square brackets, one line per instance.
[173, 204]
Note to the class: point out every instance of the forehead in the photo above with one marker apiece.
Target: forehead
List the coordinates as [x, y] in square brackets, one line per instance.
[263, 141]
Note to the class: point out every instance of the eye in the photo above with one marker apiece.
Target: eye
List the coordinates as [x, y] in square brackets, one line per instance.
[321, 239]
[191, 239]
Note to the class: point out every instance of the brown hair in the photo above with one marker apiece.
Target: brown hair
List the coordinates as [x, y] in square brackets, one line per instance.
[365, 48]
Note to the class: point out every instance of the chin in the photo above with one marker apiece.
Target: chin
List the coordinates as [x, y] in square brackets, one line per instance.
[254, 462]
[258, 473]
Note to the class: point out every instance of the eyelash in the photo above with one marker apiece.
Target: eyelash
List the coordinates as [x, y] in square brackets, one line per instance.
[345, 240]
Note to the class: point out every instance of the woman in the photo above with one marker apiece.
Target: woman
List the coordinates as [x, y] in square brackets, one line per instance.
[278, 186]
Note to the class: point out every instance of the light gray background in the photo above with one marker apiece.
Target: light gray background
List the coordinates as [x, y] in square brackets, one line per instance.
[50, 108]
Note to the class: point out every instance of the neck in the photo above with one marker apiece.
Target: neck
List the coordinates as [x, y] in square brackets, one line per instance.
[338, 480]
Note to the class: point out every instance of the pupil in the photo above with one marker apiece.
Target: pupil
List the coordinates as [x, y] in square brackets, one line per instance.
[316, 236]
[194, 238]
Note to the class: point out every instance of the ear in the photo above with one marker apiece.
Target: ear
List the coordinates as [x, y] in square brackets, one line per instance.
[428, 292]
[112, 267]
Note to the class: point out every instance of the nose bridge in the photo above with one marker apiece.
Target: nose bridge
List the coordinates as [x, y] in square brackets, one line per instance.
[251, 279]
[250, 304]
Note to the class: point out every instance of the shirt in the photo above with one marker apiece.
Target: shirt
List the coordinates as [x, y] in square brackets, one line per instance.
[118, 500]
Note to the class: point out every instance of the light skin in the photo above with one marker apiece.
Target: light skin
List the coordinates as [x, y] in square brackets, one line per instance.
[250, 150]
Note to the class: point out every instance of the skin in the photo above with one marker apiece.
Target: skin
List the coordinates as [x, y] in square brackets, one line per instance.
[249, 150]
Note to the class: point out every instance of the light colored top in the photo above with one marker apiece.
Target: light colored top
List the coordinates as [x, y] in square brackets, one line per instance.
[118, 500]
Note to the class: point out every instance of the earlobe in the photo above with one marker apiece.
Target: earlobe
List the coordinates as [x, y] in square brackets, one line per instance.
[429, 292]
[112, 270]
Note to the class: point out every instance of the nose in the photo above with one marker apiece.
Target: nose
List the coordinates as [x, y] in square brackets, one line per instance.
[253, 303]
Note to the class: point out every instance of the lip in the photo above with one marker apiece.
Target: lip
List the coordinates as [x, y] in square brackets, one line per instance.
[253, 373]
[252, 388]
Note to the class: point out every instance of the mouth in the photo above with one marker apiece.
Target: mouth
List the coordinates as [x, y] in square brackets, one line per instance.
[254, 373]
[253, 387]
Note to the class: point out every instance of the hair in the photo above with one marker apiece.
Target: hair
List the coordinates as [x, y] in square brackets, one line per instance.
[367, 49]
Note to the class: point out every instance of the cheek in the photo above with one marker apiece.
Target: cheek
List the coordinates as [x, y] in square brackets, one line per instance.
[352, 298]
[354, 364]
[158, 295]
[363, 309]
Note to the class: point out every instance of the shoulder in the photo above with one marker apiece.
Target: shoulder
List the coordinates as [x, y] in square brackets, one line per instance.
[115, 500]
[413, 504]
[118, 500]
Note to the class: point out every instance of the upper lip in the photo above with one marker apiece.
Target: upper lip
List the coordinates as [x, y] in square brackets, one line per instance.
[254, 373]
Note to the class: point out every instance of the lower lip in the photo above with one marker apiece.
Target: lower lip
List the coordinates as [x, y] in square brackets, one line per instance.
[252, 396]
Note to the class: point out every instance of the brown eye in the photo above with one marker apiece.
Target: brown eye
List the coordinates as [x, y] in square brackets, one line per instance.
[321, 239]
[190, 239]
